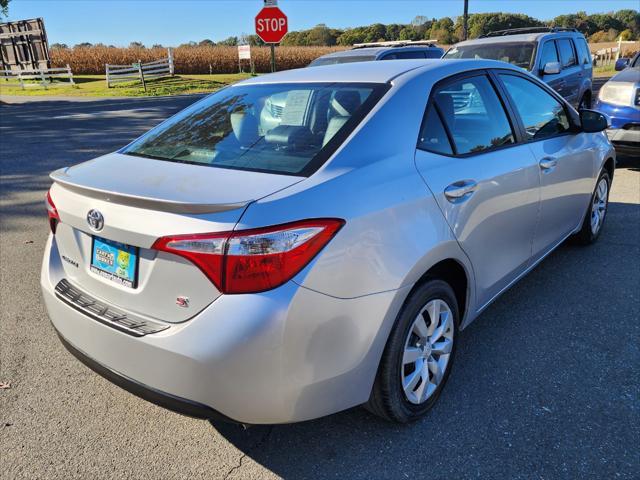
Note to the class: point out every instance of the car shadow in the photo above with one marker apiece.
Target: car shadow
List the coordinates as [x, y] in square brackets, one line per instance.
[523, 400]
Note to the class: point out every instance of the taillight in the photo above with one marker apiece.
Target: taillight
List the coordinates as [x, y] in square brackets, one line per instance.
[204, 250]
[52, 211]
[249, 261]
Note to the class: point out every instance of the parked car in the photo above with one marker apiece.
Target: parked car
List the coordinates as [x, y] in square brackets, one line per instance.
[361, 52]
[558, 56]
[394, 50]
[619, 98]
[228, 269]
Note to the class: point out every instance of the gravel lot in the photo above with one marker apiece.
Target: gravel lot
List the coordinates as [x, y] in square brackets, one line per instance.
[546, 383]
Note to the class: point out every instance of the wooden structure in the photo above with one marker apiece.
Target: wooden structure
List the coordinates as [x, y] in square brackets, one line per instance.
[23, 46]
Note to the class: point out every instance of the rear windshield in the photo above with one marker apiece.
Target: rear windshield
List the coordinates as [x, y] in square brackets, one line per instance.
[341, 59]
[516, 53]
[281, 128]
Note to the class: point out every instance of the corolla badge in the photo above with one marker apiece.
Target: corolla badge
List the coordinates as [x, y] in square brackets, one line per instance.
[95, 220]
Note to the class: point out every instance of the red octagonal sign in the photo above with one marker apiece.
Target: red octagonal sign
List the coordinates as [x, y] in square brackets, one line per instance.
[271, 25]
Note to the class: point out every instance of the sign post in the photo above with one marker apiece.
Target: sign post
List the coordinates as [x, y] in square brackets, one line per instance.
[271, 27]
[244, 53]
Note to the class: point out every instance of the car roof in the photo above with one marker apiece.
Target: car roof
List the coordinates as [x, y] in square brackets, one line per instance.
[517, 38]
[375, 51]
[374, 71]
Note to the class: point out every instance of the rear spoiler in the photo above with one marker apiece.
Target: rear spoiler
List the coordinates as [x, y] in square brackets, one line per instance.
[61, 178]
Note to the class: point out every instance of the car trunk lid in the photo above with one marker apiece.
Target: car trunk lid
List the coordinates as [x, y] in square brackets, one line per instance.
[140, 200]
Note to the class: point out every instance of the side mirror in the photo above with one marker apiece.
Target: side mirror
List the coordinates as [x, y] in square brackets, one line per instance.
[593, 121]
[621, 64]
[551, 68]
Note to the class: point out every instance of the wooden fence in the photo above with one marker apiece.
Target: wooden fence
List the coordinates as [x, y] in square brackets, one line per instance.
[140, 72]
[607, 56]
[42, 76]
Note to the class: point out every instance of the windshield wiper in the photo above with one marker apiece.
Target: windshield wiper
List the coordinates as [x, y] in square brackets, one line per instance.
[145, 155]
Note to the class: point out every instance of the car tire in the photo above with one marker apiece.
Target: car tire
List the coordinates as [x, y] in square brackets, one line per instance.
[596, 213]
[389, 399]
[585, 101]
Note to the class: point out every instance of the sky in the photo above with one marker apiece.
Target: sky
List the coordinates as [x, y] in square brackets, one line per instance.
[172, 22]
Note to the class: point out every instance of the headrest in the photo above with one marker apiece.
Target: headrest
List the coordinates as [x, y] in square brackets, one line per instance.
[245, 128]
[289, 135]
[335, 124]
[345, 102]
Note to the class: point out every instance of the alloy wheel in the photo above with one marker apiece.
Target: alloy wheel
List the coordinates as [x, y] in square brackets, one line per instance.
[427, 351]
[599, 205]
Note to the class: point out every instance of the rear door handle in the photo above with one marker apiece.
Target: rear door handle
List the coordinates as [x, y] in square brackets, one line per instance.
[460, 191]
[548, 163]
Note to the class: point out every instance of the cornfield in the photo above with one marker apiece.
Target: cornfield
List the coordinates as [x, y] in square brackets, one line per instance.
[205, 59]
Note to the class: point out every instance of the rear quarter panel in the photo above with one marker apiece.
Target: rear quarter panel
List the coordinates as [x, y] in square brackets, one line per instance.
[394, 229]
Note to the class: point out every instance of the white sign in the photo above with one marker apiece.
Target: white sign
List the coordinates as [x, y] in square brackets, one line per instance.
[244, 52]
[270, 3]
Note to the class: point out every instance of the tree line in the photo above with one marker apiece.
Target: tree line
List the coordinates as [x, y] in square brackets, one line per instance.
[598, 27]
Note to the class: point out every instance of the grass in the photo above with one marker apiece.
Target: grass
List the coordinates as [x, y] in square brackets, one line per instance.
[96, 86]
[604, 70]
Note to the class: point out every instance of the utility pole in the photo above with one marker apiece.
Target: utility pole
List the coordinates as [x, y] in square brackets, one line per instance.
[465, 18]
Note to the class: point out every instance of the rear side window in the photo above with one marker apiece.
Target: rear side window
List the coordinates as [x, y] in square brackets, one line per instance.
[434, 53]
[433, 136]
[543, 116]
[404, 55]
[567, 53]
[584, 54]
[549, 54]
[318, 62]
[473, 114]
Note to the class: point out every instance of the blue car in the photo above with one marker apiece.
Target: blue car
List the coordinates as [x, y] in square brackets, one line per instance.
[394, 50]
[619, 98]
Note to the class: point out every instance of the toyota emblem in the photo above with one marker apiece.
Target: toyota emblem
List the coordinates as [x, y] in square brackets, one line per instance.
[95, 220]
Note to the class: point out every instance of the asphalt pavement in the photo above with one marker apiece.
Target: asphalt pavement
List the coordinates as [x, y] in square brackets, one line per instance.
[546, 382]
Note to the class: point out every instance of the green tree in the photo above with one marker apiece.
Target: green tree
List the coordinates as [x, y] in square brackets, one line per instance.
[630, 19]
[409, 33]
[393, 31]
[443, 31]
[375, 33]
[229, 41]
[4, 8]
[626, 35]
[320, 35]
[351, 36]
[483, 23]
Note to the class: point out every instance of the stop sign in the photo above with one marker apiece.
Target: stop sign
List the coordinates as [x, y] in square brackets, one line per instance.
[271, 25]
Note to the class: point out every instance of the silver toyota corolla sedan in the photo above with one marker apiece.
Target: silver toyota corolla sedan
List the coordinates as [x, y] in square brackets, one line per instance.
[221, 266]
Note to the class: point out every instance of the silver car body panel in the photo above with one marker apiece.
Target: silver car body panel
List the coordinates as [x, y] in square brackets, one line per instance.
[496, 224]
[170, 187]
[311, 346]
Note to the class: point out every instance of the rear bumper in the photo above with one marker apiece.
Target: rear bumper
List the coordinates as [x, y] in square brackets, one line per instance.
[286, 355]
[162, 399]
